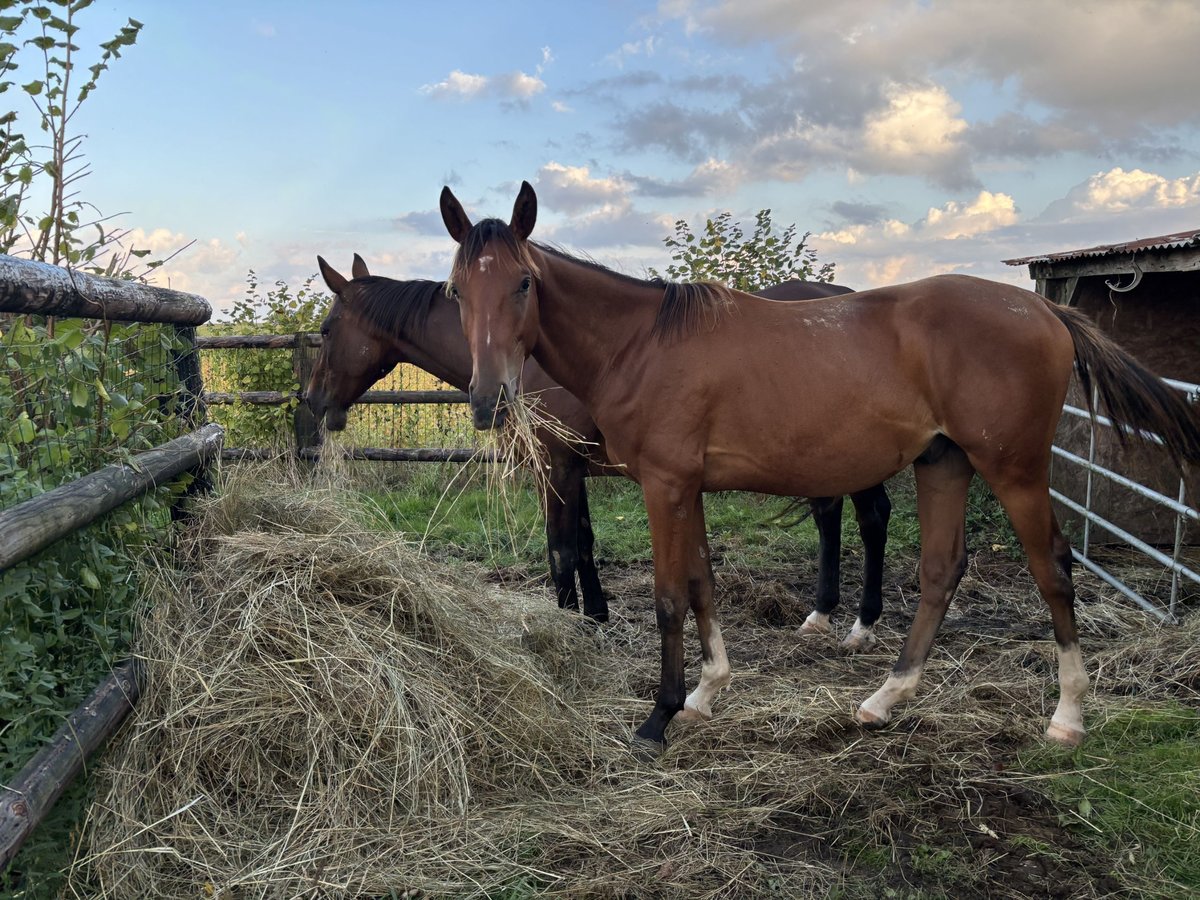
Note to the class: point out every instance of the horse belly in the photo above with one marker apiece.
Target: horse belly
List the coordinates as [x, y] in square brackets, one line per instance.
[803, 463]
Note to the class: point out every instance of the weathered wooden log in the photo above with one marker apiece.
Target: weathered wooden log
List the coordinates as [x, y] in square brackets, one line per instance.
[35, 524]
[44, 290]
[402, 397]
[256, 398]
[378, 454]
[256, 341]
[26, 801]
[278, 398]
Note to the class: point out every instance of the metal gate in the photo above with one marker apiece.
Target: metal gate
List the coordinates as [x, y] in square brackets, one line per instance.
[1177, 505]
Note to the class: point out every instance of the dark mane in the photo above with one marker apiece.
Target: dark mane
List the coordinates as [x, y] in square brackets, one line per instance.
[392, 308]
[686, 308]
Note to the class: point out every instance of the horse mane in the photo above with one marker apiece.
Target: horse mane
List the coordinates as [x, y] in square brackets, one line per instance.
[686, 307]
[392, 307]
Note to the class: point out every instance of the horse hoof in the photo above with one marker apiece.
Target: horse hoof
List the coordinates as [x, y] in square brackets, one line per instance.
[856, 641]
[1064, 735]
[807, 630]
[868, 719]
[689, 715]
[646, 750]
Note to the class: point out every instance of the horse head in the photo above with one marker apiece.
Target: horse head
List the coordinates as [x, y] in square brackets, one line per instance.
[494, 281]
[352, 357]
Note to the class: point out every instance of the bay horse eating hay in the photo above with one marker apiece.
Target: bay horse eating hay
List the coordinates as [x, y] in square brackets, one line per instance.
[697, 387]
[376, 323]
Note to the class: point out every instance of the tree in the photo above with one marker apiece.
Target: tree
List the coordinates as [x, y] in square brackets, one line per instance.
[724, 253]
[48, 171]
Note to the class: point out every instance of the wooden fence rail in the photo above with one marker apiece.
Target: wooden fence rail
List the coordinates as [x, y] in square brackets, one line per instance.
[279, 398]
[40, 289]
[26, 801]
[35, 524]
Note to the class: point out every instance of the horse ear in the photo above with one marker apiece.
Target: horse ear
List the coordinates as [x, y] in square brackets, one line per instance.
[524, 212]
[333, 278]
[454, 216]
[359, 269]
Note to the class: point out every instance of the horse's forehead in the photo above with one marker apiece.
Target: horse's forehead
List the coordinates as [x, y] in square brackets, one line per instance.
[495, 260]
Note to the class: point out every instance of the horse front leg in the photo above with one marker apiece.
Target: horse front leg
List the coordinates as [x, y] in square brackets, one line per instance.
[714, 668]
[595, 605]
[681, 572]
[560, 502]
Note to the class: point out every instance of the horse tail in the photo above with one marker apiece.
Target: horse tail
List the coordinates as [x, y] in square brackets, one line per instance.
[1135, 399]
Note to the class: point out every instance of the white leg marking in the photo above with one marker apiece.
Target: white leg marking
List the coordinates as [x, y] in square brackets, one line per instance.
[714, 675]
[877, 709]
[860, 637]
[1066, 725]
[816, 623]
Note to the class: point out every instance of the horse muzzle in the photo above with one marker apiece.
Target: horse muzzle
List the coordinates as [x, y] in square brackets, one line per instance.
[489, 411]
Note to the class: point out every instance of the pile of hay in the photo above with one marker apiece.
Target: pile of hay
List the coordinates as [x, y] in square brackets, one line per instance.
[330, 713]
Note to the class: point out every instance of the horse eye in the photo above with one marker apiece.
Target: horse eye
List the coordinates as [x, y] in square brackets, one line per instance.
[453, 292]
[525, 282]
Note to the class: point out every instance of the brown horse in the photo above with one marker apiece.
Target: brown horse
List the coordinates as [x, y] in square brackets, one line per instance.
[376, 323]
[700, 388]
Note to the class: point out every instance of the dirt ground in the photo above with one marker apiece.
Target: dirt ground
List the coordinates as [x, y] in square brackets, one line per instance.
[937, 804]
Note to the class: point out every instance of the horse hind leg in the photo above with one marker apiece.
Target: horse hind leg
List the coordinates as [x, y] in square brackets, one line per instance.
[1049, 554]
[943, 475]
[827, 515]
[873, 510]
[595, 606]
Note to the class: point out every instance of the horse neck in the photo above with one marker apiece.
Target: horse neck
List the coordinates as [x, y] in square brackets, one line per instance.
[591, 323]
[439, 346]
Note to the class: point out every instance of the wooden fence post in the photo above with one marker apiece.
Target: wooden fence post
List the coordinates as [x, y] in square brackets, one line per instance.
[304, 423]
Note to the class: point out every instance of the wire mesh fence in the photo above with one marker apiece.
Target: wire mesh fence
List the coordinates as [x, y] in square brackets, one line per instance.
[77, 394]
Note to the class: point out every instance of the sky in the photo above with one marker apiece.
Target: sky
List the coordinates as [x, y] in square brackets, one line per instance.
[910, 137]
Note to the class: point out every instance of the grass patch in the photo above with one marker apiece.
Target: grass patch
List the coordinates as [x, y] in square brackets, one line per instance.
[1133, 792]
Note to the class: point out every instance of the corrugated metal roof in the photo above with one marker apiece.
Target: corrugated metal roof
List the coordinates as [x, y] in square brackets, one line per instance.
[1163, 242]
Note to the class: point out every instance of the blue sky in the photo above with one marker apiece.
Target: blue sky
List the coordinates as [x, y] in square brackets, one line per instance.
[910, 137]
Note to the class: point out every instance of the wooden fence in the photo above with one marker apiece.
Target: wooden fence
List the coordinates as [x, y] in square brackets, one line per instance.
[37, 289]
[306, 436]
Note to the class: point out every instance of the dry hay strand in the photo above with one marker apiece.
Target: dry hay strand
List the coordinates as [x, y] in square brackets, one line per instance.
[322, 700]
[330, 714]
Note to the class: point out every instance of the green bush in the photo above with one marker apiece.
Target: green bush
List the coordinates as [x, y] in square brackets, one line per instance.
[725, 253]
[279, 310]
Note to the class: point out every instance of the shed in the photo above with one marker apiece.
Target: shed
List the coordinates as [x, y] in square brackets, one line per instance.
[1145, 294]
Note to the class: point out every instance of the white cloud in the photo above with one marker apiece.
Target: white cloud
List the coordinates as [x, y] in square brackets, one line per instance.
[645, 47]
[572, 188]
[457, 84]
[919, 127]
[559, 107]
[953, 220]
[1118, 190]
[516, 86]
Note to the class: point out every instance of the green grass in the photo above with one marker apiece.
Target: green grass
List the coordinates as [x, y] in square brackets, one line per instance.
[468, 521]
[1133, 793]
